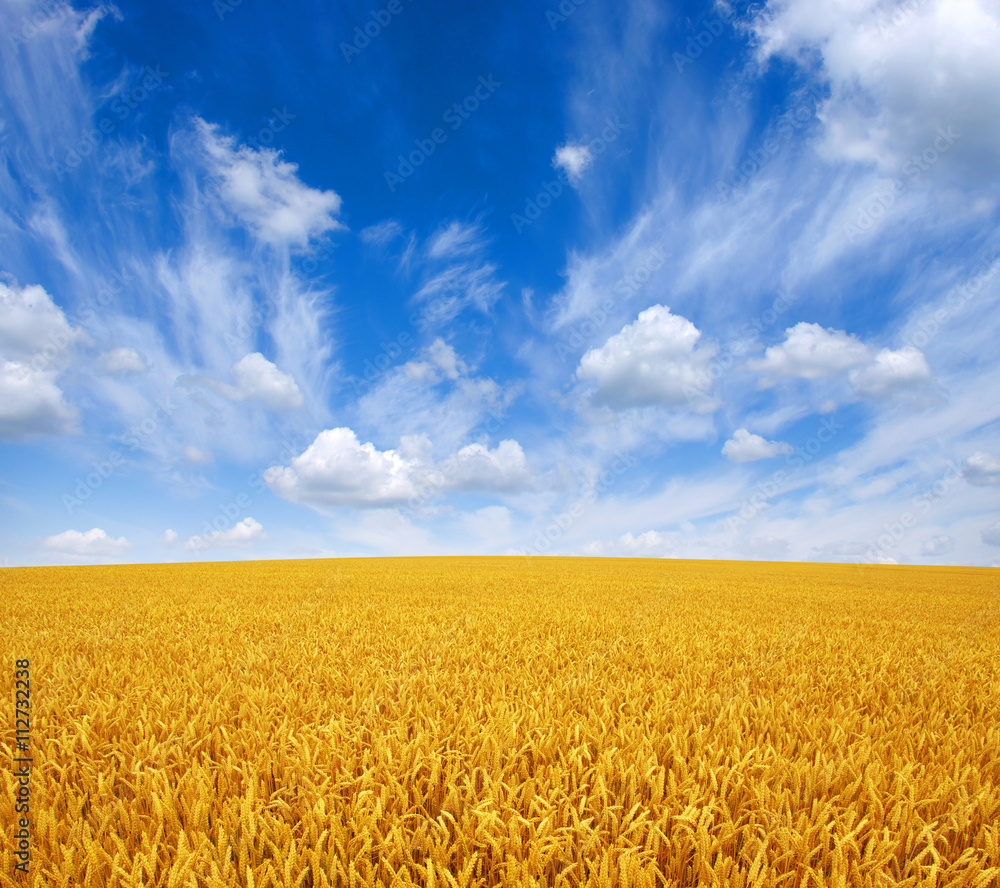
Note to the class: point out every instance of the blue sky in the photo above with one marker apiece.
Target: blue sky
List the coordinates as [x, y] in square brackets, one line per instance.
[591, 278]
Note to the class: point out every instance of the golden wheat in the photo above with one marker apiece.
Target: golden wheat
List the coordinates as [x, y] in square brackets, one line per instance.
[474, 721]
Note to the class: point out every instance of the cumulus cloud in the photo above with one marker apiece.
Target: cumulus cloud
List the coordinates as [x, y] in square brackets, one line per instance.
[264, 192]
[257, 380]
[337, 470]
[241, 535]
[121, 362]
[939, 545]
[746, 447]
[982, 469]
[441, 359]
[169, 537]
[94, 542]
[891, 372]
[475, 467]
[574, 159]
[653, 361]
[35, 345]
[32, 404]
[32, 326]
[899, 77]
[811, 351]
[991, 535]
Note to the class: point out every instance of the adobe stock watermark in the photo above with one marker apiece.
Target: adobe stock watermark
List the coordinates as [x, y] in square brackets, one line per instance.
[363, 37]
[275, 124]
[224, 7]
[786, 125]
[435, 480]
[59, 341]
[881, 201]
[549, 191]
[776, 483]
[247, 326]
[103, 469]
[562, 12]
[893, 533]
[626, 287]
[278, 122]
[556, 529]
[900, 15]
[375, 368]
[31, 27]
[90, 140]
[709, 31]
[728, 357]
[930, 324]
[227, 515]
[454, 116]
[224, 519]
[389, 353]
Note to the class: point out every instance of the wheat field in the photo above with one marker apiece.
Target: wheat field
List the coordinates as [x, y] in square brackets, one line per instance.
[506, 721]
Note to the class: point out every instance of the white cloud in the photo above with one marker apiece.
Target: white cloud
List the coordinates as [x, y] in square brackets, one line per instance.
[264, 192]
[891, 372]
[475, 467]
[898, 75]
[31, 403]
[651, 544]
[93, 542]
[767, 548]
[939, 545]
[32, 325]
[35, 345]
[382, 233]
[196, 457]
[454, 239]
[991, 535]
[445, 294]
[653, 361]
[746, 447]
[122, 361]
[337, 470]
[442, 358]
[415, 399]
[852, 550]
[574, 159]
[241, 535]
[489, 523]
[982, 469]
[169, 537]
[811, 352]
[257, 379]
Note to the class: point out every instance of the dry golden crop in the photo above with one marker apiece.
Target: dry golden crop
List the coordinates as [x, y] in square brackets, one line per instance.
[507, 721]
